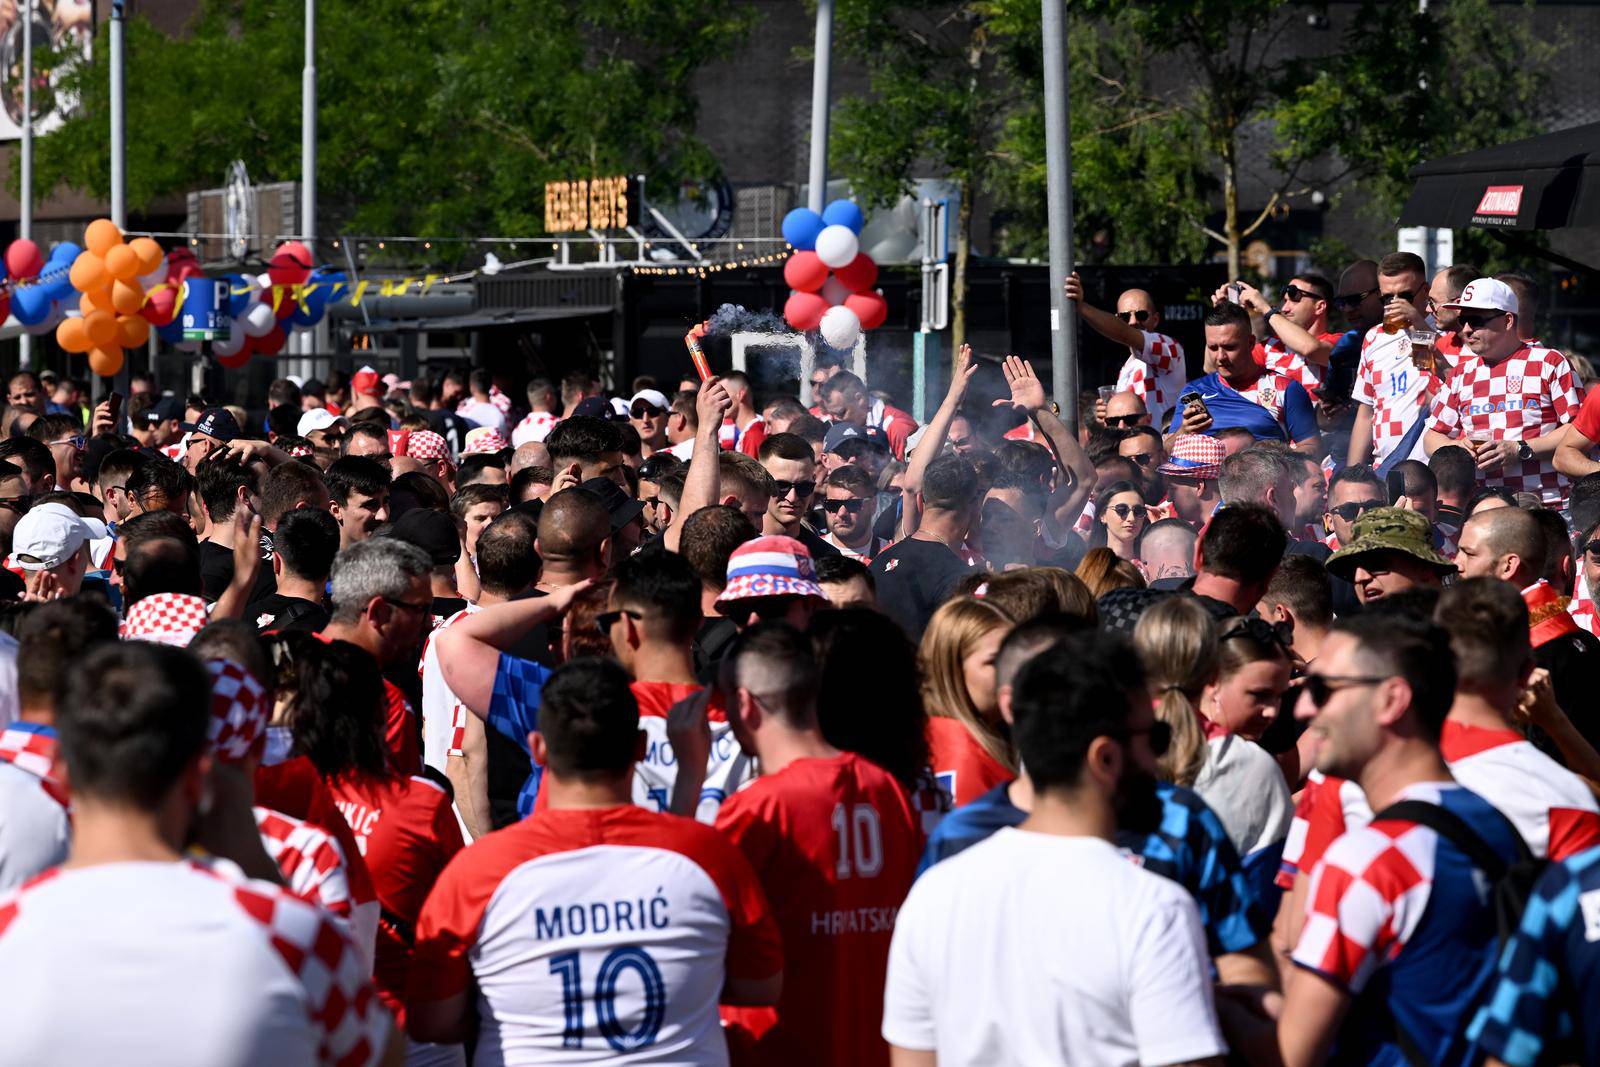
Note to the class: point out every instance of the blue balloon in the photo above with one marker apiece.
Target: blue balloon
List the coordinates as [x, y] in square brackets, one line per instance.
[315, 304]
[800, 228]
[238, 302]
[31, 304]
[844, 213]
[172, 332]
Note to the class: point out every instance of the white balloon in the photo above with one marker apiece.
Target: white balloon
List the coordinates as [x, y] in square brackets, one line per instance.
[834, 291]
[154, 278]
[257, 320]
[840, 326]
[230, 345]
[837, 246]
[263, 281]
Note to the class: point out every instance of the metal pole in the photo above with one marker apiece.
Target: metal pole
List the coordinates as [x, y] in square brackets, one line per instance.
[308, 159]
[118, 120]
[25, 219]
[1058, 161]
[821, 72]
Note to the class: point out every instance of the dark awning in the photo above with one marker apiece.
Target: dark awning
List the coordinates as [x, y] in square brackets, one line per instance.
[1541, 183]
[485, 318]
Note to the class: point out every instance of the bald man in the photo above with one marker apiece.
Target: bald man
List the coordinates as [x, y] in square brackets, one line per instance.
[1154, 370]
[1123, 411]
[528, 454]
[1504, 543]
[574, 539]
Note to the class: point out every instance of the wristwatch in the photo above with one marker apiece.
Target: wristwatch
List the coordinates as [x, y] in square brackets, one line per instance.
[1524, 453]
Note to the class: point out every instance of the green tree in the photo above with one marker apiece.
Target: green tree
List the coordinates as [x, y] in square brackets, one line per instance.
[435, 118]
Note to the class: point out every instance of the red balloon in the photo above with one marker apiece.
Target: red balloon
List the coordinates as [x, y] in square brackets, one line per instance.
[162, 306]
[286, 307]
[237, 360]
[290, 264]
[270, 344]
[804, 272]
[870, 308]
[859, 274]
[803, 311]
[23, 258]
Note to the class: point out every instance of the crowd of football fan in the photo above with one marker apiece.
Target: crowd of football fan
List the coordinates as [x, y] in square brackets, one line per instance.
[400, 722]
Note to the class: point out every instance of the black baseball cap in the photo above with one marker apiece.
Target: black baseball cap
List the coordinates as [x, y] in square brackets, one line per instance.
[168, 407]
[432, 531]
[624, 508]
[214, 422]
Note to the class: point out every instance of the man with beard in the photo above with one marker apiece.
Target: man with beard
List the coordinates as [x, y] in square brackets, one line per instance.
[1144, 447]
[1010, 952]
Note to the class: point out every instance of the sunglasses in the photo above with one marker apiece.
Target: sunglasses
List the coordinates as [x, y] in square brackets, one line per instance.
[1133, 316]
[604, 621]
[1479, 320]
[1160, 734]
[1355, 509]
[1350, 300]
[1123, 420]
[769, 609]
[19, 504]
[75, 441]
[1260, 630]
[406, 605]
[1408, 295]
[1294, 294]
[849, 505]
[1592, 548]
[1125, 511]
[1321, 687]
[1143, 459]
[644, 410]
[800, 489]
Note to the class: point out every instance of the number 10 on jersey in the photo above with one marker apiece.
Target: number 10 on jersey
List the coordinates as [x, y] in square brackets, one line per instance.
[860, 840]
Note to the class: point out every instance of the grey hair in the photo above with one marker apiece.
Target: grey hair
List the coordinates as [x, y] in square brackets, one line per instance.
[1249, 474]
[376, 567]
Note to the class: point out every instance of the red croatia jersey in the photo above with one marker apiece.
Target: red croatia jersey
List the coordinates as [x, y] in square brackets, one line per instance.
[964, 770]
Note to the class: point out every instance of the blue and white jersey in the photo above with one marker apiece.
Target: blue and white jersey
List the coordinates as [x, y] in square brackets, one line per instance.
[1275, 408]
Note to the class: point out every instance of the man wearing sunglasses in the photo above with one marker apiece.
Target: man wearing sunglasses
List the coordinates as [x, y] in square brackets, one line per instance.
[1301, 344]
[849, 505]
[792, 465]
[1508, 401]
[1390, 550]
[1391, 392]
[1352, 493]
[1154, 370]
[649, 411]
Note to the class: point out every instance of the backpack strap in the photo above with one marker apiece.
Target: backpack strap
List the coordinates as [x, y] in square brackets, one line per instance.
[1454, 828]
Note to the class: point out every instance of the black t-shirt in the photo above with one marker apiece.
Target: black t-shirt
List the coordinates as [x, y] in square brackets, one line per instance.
[216, 571]
[815, 543]
[446, 606]
[711, 644]
[452, 427]
[279, 612]
[913, 578]
[1573, 661]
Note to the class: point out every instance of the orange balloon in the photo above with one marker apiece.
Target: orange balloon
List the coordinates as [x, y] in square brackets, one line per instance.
[101, 236]
[88, 272]
[127, 297]
[122, 263]
[148, 252]
[132, 331]
[101, 326]
[95, 300]
[70, 335]
[105, 361]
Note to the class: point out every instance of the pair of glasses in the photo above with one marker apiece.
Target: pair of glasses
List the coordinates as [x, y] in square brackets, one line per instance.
[1592, 548]
[1260, 630]
[1321, 687]
[644, 410]
[1123, 420]
[406, 605]
[76, 441]
[1355, 509]
[1133, 316]
[605, 620]
[1125, 511]
[19, 504]
[1350, 300]
[1160, 734]
[767, 609]
[800, 489]
[1143, 459]
[1408, 295]
[1293, 294]
[848, 505]
[1480, 320]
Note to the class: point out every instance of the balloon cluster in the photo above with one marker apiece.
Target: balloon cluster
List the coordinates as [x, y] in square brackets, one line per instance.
[111, 278]
[38, 285]
[844, 303]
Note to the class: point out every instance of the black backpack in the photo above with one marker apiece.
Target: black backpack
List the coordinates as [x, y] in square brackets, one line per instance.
[1510, 884]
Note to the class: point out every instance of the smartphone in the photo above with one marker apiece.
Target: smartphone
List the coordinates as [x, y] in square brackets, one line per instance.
[114, 403]
[1235, 290]
[1192, 399]
[1397, 486]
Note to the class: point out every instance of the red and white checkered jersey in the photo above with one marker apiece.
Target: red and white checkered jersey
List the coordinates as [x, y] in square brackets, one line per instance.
[407, 832]
[1155, 375]
[1528, 394]
[835, 844]
[310, 860]
[444, 717]
[174, 964]
[1550, 806]
[1327, 807]
[1389, 383]
[596, 936]
[1279, 358]
[34, 830]
[535, 426]
[1582, 608]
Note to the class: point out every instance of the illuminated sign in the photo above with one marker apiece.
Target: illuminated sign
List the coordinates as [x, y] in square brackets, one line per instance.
[596, 204]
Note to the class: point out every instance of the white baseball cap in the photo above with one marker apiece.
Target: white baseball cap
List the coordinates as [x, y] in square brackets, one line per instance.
[654, 397]
[318, 419]
[51, 534]
[1486, 294]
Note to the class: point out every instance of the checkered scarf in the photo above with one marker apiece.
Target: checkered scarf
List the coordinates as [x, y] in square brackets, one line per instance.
[239, 712]
[166, 618]
[33, 749]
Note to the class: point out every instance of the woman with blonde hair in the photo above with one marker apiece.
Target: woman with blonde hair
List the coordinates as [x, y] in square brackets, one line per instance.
[968, 743]
[1102, 570]
[1210, 681]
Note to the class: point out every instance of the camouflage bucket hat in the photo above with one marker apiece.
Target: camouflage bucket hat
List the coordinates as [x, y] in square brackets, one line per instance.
[1388, 530]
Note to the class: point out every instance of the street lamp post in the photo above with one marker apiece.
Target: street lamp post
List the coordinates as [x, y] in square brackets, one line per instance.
[25, 217]
[309, 339]
[1058, 164]
[821, 75]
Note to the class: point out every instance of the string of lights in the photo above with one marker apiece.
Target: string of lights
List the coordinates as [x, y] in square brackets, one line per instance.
[702, 269]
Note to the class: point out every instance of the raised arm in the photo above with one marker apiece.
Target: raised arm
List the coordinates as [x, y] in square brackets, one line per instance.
[933, 438]
[1105, 323]
[1301, 341]
[702, 485]
[469, 651]
[1078, 477]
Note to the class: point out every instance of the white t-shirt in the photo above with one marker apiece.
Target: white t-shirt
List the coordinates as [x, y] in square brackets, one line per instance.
[8, 680]
[1030, 948]
[1243, 784]
[34, 832]
[482, 414]
[176, 964]
[444, 717]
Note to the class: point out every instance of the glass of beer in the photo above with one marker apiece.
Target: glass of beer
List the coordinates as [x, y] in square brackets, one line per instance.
[1395, 318]
[1423, 353]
